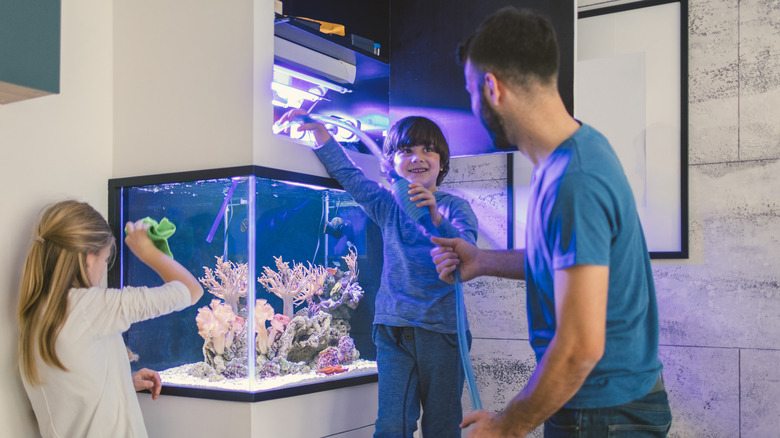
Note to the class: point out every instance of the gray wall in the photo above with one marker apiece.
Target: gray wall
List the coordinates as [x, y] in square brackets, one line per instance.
[719, 309]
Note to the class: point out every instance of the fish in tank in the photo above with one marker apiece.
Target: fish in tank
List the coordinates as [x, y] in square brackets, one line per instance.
[290, 265]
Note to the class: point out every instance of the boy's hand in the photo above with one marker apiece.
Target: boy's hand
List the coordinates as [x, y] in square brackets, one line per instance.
[386, 169]
[423, 197]
[285, 124]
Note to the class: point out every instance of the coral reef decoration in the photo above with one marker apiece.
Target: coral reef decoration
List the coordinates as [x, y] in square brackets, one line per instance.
[315, 280]
[306, 336]
[289, 284]
[228, 281]
[278, 323]
[347, 351]
[314, 338]
[351, 260]
[328, 357]
[218, 325]
[263, 312]
[340, 291]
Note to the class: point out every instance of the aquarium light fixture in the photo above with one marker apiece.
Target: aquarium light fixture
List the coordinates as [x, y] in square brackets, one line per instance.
[342, 134]
[287, 96]
[318, 63]
[308, 78]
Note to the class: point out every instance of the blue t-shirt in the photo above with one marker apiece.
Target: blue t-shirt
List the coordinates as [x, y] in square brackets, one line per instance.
[410, 293]
[582, 212]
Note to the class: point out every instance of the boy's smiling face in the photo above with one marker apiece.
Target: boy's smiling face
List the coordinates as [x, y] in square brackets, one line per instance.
[418, 164]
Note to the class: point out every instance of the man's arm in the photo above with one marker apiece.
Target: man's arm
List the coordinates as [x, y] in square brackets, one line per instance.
[457, 253]
[578, 344]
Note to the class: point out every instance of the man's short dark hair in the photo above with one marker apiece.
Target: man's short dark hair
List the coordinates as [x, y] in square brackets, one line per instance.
[518, 46]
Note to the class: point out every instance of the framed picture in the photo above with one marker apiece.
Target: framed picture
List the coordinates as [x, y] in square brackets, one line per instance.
[631, 85]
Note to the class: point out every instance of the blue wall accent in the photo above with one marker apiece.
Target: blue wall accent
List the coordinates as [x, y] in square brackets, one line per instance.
[30, 43]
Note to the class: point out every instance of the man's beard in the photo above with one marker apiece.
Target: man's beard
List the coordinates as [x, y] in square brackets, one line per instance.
[494, 125]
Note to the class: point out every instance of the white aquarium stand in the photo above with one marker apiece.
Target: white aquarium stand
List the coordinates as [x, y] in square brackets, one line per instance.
[346, 412]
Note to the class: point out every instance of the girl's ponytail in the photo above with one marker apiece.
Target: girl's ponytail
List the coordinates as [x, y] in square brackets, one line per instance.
[66, 233]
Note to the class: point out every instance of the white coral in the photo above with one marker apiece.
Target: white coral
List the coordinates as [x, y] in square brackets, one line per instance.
[287, 283]
[227, 281]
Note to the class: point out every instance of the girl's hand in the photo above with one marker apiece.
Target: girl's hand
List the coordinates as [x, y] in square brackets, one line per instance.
[284, 124]
[138, 240]
[147, 379]
[167, 268]
[424, 198]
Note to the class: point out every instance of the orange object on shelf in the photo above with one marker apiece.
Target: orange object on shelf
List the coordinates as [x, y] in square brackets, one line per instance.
[325, 27]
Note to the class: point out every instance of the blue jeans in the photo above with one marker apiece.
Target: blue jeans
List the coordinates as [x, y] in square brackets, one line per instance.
[418, 366]
[648, 416]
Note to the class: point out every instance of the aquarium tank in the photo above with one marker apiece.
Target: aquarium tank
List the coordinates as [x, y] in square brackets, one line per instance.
[289, 264]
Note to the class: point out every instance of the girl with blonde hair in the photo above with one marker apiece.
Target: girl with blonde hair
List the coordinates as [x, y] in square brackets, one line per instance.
[73, 361]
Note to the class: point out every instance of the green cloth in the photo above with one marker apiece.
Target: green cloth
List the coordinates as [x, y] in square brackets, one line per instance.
[159, 233]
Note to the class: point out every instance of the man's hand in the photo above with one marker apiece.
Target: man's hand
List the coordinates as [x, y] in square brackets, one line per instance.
[452, 254]
[486, 425]
[147, 379]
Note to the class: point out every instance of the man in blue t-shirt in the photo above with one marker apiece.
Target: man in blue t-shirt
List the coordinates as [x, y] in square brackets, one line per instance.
[592, 313]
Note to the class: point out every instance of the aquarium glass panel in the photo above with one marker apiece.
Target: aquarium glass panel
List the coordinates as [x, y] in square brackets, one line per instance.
[290, 265]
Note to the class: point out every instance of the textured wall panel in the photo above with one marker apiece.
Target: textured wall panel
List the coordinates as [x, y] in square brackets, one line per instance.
[759, 77]
[704, 400]
[760, 393]
[713, 81]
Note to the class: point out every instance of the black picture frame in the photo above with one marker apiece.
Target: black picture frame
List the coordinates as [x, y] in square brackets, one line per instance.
[645, 29]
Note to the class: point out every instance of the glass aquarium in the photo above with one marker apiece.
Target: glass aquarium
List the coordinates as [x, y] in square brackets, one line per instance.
[290, 265]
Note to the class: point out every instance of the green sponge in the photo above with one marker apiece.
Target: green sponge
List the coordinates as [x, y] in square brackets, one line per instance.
[159, 233]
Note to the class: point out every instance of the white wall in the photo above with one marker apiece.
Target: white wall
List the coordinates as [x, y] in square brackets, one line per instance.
[192, 89]
[51, 148]
[183, 85]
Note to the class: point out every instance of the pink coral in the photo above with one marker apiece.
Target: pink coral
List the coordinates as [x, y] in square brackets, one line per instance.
[263, 313]
[219, 324]
[278, 323]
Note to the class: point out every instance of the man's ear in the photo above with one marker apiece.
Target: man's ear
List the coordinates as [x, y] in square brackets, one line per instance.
[492, 88]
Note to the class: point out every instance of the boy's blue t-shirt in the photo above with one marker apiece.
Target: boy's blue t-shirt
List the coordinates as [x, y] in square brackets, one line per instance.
[582, 212]
[410, 293]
